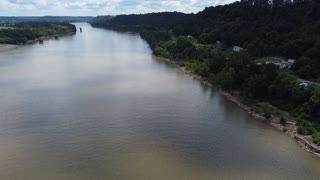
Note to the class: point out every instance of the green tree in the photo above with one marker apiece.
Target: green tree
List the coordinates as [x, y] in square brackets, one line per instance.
[312, 107]
[226, 78]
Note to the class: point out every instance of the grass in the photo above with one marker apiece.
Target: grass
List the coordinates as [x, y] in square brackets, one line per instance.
[217, 48]
[316, 138]
[193, 41]
[268, 108]
[6, 27]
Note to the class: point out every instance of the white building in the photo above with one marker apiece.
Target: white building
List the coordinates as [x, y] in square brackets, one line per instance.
[304, 84]
[190, 37]
[291, 61]
[279, 65]
[236, 49]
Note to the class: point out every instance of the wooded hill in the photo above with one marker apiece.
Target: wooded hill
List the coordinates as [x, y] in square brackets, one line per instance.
[281, 28]
[133, 22]
[21, 33]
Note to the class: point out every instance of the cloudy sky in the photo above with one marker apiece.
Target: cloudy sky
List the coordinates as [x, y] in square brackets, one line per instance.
[100, 7]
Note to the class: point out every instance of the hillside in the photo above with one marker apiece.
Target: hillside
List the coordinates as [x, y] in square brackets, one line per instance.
[291, 31]
[133, 22]
[204, 46]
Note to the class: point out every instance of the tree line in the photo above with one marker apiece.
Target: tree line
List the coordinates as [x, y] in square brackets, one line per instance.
[290, 29]
[270, 3]
[21, 33]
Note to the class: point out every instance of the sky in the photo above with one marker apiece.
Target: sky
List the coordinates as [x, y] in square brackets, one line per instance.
[101, 7]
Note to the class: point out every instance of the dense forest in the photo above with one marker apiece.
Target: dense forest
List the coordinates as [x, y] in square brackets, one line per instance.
[202, 42]
[152, 21]
[20, 33]
[281, 28]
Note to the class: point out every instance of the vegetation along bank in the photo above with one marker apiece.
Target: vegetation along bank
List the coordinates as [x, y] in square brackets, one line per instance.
[256, 51]
[23, 32]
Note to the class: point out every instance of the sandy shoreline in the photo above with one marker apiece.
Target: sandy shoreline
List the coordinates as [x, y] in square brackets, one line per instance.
[292, 130]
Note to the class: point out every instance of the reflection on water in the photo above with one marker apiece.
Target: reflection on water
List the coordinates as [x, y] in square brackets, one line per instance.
[98, 106]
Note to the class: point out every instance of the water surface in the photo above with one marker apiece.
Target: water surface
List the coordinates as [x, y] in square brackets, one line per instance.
[96, 105]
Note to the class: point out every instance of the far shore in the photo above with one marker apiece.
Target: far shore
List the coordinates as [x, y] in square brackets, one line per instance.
[8, 47]
[292, 130]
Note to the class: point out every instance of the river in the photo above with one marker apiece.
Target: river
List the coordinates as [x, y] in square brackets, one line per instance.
[97, 105]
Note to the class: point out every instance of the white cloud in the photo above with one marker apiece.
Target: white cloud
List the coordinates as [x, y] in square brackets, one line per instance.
[100, 7]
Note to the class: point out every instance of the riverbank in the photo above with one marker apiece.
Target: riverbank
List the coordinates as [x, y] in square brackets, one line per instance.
[26, 32]
[8, 47]
[48, 37]
[289, 127]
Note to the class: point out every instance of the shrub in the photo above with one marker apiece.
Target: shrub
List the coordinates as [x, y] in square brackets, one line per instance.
[161, 52]
[306, 130]
[267, 115]
[316, 138]
[283, 121]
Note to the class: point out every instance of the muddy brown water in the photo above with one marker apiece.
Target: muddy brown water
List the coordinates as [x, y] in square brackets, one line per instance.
[97, 105]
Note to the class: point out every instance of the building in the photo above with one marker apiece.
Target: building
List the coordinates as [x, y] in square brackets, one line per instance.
[236, 49]
[304, 84]
[291, 61]
[190, 37]
[279, 65]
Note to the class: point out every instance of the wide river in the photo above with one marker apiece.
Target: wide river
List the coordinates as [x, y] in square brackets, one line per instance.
[98, 106]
